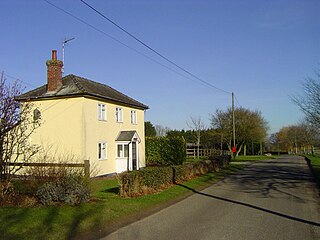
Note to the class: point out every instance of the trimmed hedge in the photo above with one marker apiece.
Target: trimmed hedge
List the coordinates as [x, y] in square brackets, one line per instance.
[165, 150]
[153, 179]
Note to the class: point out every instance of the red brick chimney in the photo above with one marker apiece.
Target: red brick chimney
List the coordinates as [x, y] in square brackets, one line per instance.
[54, 73]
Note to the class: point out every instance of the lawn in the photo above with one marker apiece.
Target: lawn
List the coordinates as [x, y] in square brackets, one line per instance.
[97, 217]
[238, 158]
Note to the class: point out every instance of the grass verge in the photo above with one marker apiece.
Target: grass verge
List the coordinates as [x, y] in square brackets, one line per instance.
[252, 158]
[97, 218]
[315, 165]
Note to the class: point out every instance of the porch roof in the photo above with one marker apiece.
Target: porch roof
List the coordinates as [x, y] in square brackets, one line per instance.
[127, 136]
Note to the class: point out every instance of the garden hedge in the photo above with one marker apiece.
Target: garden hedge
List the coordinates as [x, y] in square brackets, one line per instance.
[154, 179]
[165, 150]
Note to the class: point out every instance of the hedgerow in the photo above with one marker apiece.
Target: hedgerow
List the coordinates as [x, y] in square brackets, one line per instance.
[153, 179]
[165, 150]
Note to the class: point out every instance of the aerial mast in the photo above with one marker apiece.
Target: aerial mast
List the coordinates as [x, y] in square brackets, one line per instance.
[64, 42]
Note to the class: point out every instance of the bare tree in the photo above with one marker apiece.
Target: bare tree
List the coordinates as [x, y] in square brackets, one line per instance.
[17, 123]
[161, 130]
[197, 125]
[309, 102]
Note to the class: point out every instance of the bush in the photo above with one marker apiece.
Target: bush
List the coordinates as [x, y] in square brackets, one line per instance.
[165, 150]
[154, 145]
[71, 190]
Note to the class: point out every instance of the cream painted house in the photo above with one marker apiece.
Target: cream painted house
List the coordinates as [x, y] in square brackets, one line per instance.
[89, 120]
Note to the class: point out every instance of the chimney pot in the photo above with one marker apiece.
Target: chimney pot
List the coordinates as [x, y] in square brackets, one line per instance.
[54, 54]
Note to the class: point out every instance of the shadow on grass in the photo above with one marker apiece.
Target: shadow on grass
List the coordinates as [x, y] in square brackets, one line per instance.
[46, 225]
[114, 190]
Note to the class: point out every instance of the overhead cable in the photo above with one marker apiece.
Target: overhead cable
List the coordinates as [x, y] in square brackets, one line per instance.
[120, 42]
[152, 49]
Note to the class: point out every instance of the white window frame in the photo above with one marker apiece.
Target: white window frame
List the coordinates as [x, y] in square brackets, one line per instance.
[119, 114]
[133, 114]
[122, 153]
[102, 150]
[102, 112]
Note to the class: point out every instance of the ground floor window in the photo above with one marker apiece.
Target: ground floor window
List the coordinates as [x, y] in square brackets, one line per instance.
[122, 150]
[102, 150]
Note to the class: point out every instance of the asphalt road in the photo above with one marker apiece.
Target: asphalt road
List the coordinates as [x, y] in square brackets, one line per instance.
[274, 199]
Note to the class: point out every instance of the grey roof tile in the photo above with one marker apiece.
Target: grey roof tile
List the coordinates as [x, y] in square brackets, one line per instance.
[125, 136]
[73, 85]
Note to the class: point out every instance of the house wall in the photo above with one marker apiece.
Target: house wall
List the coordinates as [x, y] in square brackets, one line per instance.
[107, 131]
[71, 127]
[60, 131]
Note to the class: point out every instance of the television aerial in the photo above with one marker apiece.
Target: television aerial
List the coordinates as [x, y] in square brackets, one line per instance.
[64, 42]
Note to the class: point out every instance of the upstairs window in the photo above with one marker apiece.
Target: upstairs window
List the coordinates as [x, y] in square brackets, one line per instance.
[102, 112]
[36, 114]
[102, 150]
[133, 117]
[118, 114]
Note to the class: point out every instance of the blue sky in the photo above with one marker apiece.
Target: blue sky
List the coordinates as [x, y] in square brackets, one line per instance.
[261, 50]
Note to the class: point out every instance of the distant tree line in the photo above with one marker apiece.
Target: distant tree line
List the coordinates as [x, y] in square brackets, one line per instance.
[294, 139]
[251, 131]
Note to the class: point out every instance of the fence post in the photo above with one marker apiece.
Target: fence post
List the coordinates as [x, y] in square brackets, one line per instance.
[87, 168]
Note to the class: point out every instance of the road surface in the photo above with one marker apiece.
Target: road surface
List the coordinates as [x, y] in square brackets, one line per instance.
[273, 199]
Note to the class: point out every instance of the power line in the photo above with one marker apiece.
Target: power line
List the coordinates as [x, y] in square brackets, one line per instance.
[19, 79]
[237, 101]
[153, 50]
[205, 83]
[118, 41]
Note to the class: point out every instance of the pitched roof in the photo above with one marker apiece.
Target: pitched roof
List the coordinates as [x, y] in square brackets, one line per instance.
[77, 86]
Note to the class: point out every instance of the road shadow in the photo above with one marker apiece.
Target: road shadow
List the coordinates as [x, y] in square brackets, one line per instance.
[276, 179]
[252, 206]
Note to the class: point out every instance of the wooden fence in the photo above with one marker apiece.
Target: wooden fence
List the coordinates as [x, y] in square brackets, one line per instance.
[85, 165]
[193, 152]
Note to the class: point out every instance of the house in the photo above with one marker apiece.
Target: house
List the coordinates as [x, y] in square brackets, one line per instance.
[88, 119]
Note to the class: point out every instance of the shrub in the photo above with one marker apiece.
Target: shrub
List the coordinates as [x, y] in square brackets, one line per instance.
[165, 150]
[7, 194]
[71, 190]
[154, 146]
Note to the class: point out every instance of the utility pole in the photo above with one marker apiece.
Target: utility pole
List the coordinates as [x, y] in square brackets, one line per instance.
[233, 122]
[64, 42]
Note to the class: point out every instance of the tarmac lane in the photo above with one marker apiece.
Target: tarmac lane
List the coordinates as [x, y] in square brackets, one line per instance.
[272, 199]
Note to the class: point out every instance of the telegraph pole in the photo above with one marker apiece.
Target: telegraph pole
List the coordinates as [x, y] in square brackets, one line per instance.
[233, 124]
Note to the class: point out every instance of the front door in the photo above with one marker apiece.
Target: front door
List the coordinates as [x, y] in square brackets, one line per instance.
[134, 156]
